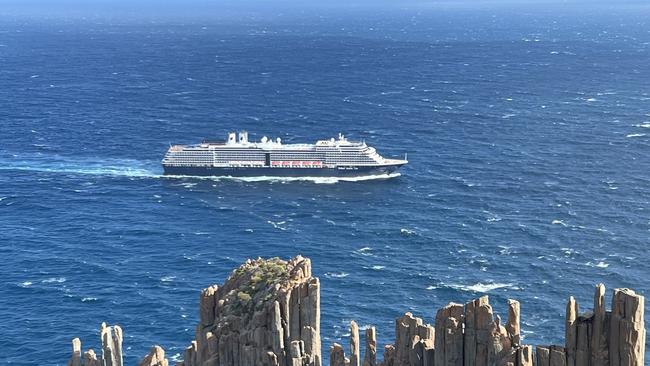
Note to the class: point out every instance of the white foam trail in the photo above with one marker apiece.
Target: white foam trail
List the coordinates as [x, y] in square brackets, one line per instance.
[99, 166]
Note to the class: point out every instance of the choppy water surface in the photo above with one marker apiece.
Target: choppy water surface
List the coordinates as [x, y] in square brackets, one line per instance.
[528, 140]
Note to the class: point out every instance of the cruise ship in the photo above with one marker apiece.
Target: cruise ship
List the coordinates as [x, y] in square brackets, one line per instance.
[239, 157]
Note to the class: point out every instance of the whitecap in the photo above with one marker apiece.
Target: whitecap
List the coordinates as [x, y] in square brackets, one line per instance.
[86, 299]
[406, 232]
[364, 251]
[26, 284]
[591, 99]
[378, 268]
[643, 125]
[483, 287]
[336, 275]
[167, 278]
[504, 250]
[432, 287]
[54, 280]
[249, 230]
[635, 135]
[600, 264]
[277, 224]
[558, 222]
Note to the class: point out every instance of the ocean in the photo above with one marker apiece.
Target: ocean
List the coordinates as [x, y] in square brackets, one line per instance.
[527, 132]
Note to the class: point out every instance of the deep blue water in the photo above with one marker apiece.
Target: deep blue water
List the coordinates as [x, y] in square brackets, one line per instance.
[528, 135]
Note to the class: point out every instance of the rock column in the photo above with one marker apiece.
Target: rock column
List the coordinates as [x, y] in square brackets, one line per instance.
[370, 357]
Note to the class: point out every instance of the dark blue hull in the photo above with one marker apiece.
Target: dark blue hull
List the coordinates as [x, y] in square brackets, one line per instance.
[361, 171]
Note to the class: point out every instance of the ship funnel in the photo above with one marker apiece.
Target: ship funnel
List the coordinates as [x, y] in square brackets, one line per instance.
[231, 138]
[243, 137]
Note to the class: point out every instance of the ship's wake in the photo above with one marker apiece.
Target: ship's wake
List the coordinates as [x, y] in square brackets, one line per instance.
[138, 169]
[62, 165]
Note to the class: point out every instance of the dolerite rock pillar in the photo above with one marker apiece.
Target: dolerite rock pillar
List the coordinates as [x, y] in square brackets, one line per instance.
[513, 326]
[266, 313]
[111, 345]
[627, 329]
[599, 331]
[75, 360]
[478, 322]
[337, 356]
[525, 356]
[413, 342]
[370, 357]
[355, 355]
[90, 358]
[571, 331]
[111, 340]
[156, 357]
[449, 336]
[557, 356]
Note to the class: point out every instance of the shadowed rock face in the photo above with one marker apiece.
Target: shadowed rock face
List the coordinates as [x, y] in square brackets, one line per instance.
[267, 313]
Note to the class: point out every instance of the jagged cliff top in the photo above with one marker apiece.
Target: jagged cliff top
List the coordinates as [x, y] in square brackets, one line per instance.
[260, 281]
[267, 313]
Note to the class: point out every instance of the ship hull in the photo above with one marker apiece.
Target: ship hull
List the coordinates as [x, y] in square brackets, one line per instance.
[206, 171]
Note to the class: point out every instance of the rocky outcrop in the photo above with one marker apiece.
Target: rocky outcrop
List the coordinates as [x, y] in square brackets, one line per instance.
[337, 356]
[111, 340]
[471, 335]
[266, 313]
[370, 358]
[355, 357]
[156, 357]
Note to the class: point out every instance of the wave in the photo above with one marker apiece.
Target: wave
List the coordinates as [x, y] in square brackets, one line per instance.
[54, 280]
[407, 232]
[635, 135]
[477, 287]
[167, 278]
[366, 251]
[483, 287]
